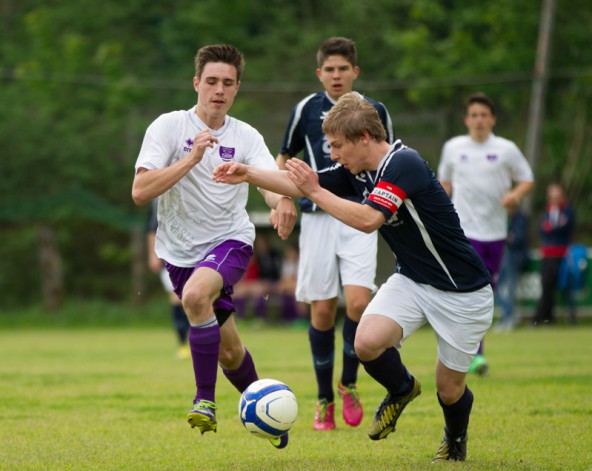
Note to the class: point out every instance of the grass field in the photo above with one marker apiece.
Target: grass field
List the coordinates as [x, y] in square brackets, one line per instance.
[115, 399]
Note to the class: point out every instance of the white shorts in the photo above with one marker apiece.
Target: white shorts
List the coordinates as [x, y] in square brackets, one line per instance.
[459, 320]
[332, 253]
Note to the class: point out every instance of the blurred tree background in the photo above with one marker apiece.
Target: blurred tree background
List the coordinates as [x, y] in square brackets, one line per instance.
[81, 80]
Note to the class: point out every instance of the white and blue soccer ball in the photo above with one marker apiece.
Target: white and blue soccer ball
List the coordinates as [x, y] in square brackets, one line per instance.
[268, 408]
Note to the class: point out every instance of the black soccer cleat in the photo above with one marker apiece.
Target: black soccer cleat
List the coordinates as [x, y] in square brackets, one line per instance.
[452, 449]
[388, 412]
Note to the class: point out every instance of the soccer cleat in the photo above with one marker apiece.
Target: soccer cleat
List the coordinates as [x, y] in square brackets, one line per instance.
[388, 412]
[325, 416]
[203, 416]
[352, 407]
[280, 442]
[183, 352]
[452, 450]
[479, 366]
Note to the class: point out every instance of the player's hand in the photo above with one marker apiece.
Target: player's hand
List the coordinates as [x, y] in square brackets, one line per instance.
[510, 200]
[230, 172]
[304, 177]
[202, 141]
[284, 218]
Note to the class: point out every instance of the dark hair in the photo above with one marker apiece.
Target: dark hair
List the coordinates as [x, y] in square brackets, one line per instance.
[482, 99]
[224, 53]
[338, 46]
[353, 115]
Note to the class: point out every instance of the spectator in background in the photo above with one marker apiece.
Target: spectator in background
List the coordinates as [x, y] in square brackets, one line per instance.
[292, 310]
[513, 264]
[260, 279]
[555, 229]
[180, 321]
[485, 175]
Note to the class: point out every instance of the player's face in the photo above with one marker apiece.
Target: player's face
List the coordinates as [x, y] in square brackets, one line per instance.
[349, 154]
[337, 76]
[216, 90]
[479, 120]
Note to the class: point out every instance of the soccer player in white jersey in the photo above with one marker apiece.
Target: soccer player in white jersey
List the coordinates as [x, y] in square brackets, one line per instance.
[204, 233]
[332, 254]
[439, 279]
[486, 176]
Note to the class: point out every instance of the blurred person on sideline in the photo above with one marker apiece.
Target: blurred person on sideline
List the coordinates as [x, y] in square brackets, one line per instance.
[486, 175]
[260, 281]
[332, 255]
[439, 278]
[556, 229]
[204, 233]
[293, 311]
[514, 263]
[178, 316]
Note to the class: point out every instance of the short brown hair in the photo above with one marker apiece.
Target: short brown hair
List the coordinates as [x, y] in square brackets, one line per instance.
[352, 116]
[338, 46]
[482, 99]
[224, 53]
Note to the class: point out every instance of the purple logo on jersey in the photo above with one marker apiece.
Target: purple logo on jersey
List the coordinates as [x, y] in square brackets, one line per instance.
[226, 153]
[463, 158]
[491, 157]
[188, 145]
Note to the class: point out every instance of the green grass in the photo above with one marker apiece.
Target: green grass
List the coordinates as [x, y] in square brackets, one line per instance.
[115, 399]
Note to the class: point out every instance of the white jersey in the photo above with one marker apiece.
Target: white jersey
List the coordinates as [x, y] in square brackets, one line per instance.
[480, 174]
[196, 214]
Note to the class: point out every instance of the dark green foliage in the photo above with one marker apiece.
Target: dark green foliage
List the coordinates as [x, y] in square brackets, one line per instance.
[80, 81]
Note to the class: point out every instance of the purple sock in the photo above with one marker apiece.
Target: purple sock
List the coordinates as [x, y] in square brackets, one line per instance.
[205, 347]
[244, 375]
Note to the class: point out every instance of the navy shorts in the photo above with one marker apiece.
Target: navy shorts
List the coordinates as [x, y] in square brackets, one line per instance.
[230, 259]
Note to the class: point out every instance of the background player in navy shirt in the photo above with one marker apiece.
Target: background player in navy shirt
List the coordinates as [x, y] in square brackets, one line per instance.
[331, 253]
[439, 278]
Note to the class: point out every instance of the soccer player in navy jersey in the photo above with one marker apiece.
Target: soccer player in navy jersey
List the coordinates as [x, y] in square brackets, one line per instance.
[331, 253]
[439, 277]
[204, 233]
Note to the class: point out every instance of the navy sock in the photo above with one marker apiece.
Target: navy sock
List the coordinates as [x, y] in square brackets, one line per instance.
[349, 375]
[388, 370]
[456, 416]
[322, 344]
[180, 322]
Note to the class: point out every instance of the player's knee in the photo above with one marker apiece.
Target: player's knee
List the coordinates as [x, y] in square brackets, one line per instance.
[450, 393]
[365, 348]
[355, 309]
[196, 306]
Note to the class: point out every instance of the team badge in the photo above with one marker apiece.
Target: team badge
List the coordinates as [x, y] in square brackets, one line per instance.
[226, 153]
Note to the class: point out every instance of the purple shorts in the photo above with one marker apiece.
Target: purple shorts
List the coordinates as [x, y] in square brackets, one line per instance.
[230, 259]
[492, 254]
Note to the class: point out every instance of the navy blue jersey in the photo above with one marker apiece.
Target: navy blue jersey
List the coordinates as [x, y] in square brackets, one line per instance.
[305, 133]
[422, 227]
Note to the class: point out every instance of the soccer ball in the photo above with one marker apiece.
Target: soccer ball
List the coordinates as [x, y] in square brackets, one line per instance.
[268, 408]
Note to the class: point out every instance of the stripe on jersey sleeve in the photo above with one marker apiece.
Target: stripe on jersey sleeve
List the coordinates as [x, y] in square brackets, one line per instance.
[388, 196]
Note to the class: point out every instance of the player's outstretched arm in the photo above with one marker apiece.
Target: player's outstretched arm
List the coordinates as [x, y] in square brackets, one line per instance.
[359, 216]
[276, 181]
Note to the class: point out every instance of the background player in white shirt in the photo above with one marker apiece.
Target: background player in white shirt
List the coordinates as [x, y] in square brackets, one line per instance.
[332, 254]
[204, 233]
[440, 279]
[486, 175]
